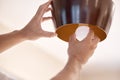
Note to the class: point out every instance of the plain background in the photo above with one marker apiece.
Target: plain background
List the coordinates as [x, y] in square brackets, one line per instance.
[43, 58]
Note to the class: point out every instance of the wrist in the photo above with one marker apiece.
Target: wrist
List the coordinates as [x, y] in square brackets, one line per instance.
[77, 58]
[75, 61]
[18, 34]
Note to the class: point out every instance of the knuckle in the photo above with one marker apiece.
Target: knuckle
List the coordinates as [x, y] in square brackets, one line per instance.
[93, 47]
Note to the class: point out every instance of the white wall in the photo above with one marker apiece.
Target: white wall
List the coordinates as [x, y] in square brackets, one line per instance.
[28, 61]
[40, 61]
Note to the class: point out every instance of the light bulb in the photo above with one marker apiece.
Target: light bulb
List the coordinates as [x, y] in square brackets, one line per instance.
[81, 32]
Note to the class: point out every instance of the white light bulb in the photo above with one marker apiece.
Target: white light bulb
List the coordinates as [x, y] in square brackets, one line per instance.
[82, 32]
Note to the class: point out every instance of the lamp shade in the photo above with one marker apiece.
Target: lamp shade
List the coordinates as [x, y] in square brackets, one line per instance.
[71, 14]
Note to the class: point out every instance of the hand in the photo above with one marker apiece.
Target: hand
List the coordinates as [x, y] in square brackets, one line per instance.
[33, 29]
[83, 50]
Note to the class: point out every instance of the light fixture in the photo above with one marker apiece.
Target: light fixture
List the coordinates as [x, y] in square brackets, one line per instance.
[71, 14]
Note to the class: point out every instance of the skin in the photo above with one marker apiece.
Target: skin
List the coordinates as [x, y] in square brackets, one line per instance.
[31, 31]
[78, 51]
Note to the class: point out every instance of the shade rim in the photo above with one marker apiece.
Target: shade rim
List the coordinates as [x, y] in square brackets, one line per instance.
[65, 31]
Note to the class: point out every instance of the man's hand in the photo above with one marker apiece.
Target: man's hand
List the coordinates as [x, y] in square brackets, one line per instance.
[79, 52]
[83, 50]
[33, 29]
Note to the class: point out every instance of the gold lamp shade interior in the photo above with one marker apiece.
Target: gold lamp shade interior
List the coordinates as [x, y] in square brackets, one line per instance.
[65, 31]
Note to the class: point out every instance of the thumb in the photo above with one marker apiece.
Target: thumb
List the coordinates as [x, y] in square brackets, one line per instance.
[49, 34]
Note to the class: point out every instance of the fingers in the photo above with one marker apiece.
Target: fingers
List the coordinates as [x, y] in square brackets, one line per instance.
[90, 36]
[96, 39]
[47, 3]
[42, 9]
[72, 39]
[94, 43]
[46, 18]
[45, 6]
[49, 9]
[92, 39]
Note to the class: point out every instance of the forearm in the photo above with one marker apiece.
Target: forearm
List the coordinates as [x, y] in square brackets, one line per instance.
[31, 31]
[10, 39]
[70, 72]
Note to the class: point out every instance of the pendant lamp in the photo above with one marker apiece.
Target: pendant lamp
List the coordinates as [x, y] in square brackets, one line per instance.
[71, 14]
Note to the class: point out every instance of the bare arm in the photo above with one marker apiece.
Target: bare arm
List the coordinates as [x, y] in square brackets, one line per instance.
[71, 71]
[79, 52]
[9, 40]
[31, 31]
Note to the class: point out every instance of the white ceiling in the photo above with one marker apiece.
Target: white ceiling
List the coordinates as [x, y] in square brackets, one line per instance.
[17, 13]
